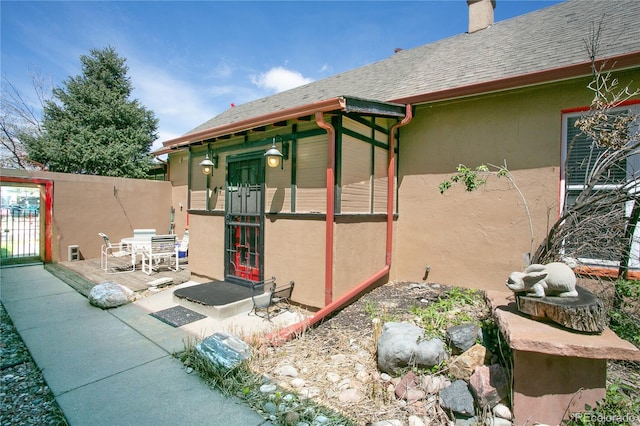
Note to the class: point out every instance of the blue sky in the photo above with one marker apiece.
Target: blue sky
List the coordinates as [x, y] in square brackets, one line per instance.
[189, 61]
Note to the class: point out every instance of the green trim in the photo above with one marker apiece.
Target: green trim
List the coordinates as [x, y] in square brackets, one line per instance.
[189, 179]
[336, 122]
[364, 138]
[293, 153]
[367, 122]
[372, 170]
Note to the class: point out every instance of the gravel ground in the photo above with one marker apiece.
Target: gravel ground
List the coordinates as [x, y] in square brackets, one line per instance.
[25, 398]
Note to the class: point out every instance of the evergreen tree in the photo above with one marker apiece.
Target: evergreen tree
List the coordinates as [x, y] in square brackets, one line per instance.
[92, 127]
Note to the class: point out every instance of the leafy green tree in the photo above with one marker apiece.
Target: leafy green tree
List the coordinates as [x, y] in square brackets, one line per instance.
[92, 126]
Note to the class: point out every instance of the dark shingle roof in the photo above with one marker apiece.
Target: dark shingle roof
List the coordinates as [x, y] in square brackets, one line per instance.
[550, 38]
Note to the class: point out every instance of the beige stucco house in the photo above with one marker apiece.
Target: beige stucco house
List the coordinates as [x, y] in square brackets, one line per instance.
[355, 200]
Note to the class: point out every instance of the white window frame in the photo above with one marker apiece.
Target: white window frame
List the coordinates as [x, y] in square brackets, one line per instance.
[633, 171]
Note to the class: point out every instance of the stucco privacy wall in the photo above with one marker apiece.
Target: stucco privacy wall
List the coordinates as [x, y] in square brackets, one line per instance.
[477, 239]
[85, 205]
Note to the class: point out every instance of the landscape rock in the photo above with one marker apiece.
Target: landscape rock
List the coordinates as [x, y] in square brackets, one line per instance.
[408, 388]
[457, 398]
[350, 396]
[224, 349]
[497, 421]
[463, 366]
[110, 295]
[286, 370]
[502, 411]
[416, 421]
[433, 384]
[298, 383]
[462, 337]
[390, 422]
[268, 388]
[489, 384]
[403, 344]
[310, 392]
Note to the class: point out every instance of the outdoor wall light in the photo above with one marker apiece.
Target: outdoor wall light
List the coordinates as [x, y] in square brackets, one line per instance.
[207, 165]
[274, 156]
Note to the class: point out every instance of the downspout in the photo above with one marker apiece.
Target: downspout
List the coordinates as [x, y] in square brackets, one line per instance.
[330, 179]
[291, 331]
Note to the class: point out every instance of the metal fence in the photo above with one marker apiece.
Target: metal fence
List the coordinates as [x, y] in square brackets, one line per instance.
[20, 234]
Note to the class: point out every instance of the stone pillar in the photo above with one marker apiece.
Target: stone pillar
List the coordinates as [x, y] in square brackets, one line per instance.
[545, 387]
[556, 371]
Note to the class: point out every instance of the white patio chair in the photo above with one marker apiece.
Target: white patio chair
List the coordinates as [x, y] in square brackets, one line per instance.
[162, 248]
[119, 256]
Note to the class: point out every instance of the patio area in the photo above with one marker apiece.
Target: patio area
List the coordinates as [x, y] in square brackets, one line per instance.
[198, 320]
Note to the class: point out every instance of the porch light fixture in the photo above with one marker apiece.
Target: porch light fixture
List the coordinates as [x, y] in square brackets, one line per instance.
[274, 156]
[207, 165]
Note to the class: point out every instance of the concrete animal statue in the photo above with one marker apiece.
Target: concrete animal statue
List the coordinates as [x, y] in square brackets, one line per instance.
[552, 279]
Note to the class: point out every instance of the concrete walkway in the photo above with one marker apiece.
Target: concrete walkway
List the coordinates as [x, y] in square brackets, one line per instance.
[110, 367]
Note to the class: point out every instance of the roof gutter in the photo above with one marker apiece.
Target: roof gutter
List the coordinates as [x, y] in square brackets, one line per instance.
[329, 221]
[291, 331]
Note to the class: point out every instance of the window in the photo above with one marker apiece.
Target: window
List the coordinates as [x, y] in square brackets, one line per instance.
[604, 228]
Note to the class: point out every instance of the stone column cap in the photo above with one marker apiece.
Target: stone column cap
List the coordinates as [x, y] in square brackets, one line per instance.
[525, 334]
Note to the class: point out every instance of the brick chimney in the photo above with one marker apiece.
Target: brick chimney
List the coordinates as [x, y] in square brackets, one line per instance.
[480, 14]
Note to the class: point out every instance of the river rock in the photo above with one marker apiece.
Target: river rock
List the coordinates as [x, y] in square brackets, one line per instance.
[110, 295]
[404, 344]
[224, 349]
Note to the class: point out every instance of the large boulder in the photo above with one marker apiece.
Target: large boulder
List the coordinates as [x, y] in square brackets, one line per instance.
[110, 295]
[224, 349]
[403, 344]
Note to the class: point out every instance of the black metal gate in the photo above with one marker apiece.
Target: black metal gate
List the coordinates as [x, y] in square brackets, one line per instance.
[20, 228]
[244, 221]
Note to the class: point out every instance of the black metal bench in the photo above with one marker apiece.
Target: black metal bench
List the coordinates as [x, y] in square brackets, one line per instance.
[274, 299]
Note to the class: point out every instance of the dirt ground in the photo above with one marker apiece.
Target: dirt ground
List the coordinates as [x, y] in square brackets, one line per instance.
[340, 354]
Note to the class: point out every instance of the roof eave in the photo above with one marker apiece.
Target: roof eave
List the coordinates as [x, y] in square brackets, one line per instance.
[341, 103]
[250, 123]
[545, 76]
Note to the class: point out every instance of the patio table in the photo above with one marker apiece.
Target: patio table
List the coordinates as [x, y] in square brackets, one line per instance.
[137, 245]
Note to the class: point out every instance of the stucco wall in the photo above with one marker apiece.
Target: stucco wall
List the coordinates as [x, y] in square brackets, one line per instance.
[294, 251]
[206, 246]
[359, 251]
[85, 205]
[178, 175]
[477, 239]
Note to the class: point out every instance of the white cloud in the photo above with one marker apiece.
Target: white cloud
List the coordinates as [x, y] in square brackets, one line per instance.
[279, 79]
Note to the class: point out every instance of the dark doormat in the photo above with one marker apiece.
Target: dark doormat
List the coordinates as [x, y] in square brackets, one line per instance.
[177, 316]
[214, 293]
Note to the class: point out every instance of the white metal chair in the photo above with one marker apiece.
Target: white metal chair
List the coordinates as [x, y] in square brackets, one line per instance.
[162, 248]
[121, 257]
